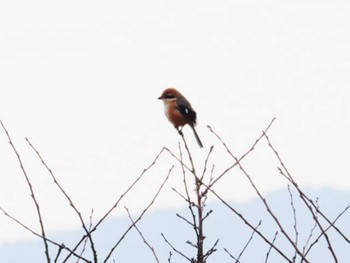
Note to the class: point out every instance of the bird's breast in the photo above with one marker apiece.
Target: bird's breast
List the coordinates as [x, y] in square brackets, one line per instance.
[173, 114]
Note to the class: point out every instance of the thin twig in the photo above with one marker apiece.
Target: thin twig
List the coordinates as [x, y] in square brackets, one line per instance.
[36, 203]
[193, 170]
[177, 251]
[40, 236]
[248, 242]
[302, 193]
[142, 236]
[269, 251]
[68, 198]
[117, 202]
[211, 178]
[210, 251]
[170, 255]
[308, 240]
[243, 156]
[246, 245]
[141, 215]
[190, 203]
[85, 242]
[311, 234]
[330, 226]
[250, 225]
[183, 197]
[295, 221]
[199, 205]
[269, 210]
[305, 199]
[206, 162]
[186, 220]
[178, 159]
[212, 182]
[60, 248]
[208, 214]
[231, 256]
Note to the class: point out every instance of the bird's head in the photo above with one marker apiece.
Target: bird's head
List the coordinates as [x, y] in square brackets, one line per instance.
[170, 94]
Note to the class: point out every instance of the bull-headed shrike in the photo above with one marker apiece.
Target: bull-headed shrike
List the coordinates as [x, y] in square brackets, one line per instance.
[179, 111]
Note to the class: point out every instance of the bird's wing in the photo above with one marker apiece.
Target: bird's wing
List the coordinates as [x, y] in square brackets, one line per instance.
[186, 109]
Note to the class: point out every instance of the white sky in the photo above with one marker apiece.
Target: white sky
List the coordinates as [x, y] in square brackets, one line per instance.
[80, 79]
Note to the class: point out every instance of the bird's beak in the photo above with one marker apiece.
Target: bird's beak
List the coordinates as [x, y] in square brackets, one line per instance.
[160, 98]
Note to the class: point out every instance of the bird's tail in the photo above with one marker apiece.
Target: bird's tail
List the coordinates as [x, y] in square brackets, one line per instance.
[197, 137]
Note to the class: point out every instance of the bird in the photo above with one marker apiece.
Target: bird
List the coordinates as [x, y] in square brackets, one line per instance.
[179, 111]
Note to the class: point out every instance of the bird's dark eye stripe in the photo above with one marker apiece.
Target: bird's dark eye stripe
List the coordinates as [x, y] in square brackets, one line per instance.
[169, 96]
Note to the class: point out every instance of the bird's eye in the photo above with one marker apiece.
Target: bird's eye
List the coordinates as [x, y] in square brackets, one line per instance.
[169, 96]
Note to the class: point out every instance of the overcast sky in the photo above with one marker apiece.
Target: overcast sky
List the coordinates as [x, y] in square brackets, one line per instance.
[80, 79]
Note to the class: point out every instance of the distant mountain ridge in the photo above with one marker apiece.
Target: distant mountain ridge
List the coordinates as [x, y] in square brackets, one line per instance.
[222, 224]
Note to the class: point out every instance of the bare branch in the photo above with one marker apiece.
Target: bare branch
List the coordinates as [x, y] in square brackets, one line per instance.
[142, 236]
[128, 189]
[242, 157]
[198, 218]
[246, 245]
[321, 234]
[309, 238]
[274, 217]
[193, 170]
[305, 198]
[183, 197]
[269, 251]
[85, 242]
[60, 246]
[231, 256]
[178, 159]
[249, 240]
[117, 202]
[177, 251]
[208, 214]
[210, 251]
[190, 203]
[206, 163]
[250, 225]
[295, 221]
[67, 197]
[36, 203]
[141, 215]
[169, 258]
[187, 221]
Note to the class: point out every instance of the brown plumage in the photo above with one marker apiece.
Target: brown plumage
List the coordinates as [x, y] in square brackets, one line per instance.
[179, 111]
